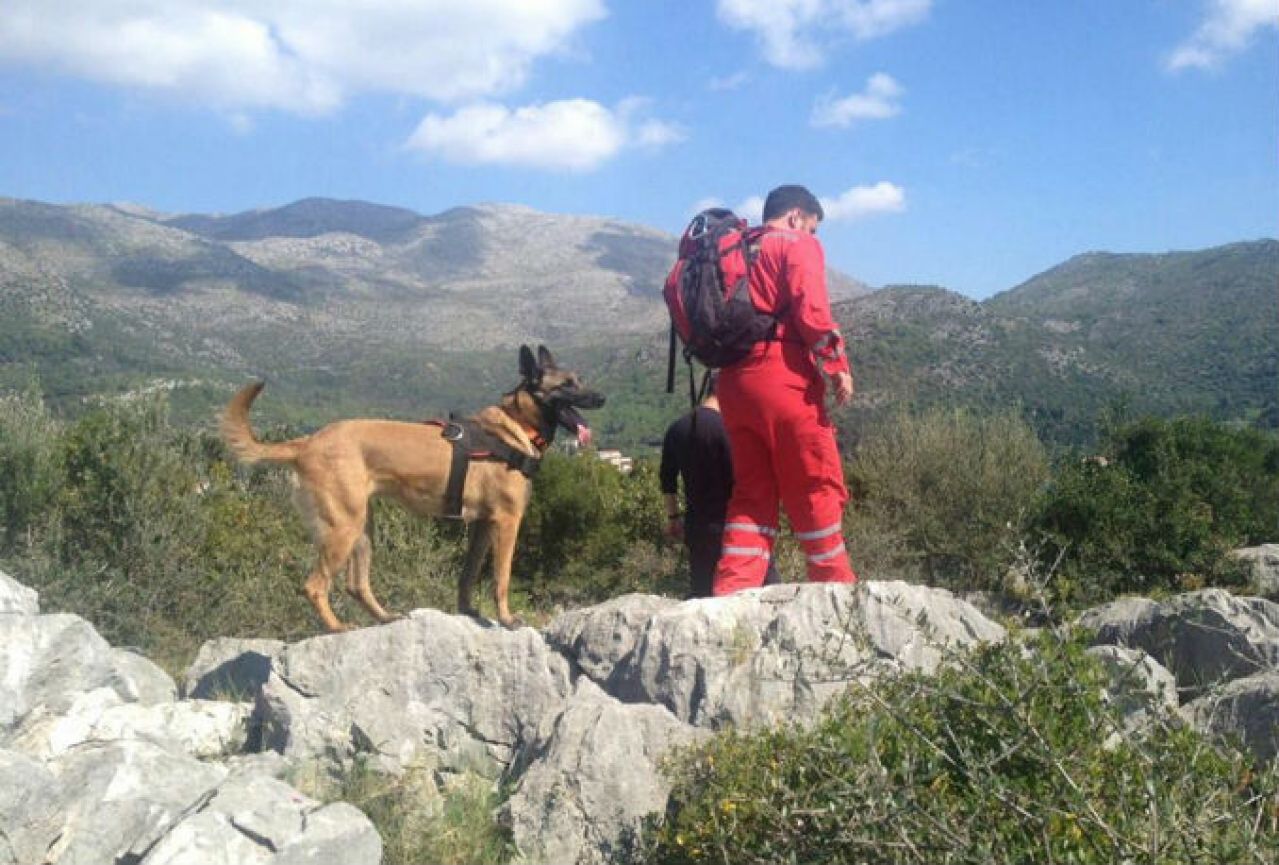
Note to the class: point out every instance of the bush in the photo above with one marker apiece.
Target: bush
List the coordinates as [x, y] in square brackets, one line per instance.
[31, 472]
[417, 821]
[592, 533]
[153, 534]
[1161, 508]
[1003, 757]
[943, 496]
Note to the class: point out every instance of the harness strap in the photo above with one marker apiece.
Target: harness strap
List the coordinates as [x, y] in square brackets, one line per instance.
[470, 442]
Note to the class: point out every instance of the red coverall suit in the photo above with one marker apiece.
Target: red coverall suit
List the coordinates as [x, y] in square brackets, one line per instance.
[773, 407]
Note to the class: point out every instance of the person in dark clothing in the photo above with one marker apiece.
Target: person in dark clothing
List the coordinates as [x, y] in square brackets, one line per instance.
[696, 450]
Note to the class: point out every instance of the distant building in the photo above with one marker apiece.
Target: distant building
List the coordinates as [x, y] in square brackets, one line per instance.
[623, 464]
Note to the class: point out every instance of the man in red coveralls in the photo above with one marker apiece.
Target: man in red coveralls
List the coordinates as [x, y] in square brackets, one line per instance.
[774, 410]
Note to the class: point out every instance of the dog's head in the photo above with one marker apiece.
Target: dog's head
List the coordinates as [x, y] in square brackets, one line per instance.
[558, 393]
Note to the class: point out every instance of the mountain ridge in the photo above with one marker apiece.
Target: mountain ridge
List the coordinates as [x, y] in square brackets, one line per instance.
[104, 297]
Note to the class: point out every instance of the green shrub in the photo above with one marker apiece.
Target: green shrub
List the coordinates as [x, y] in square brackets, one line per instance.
[942, 496]
[1005, 756]
[31, 469]
[417, 821]
[592, 533]
[1161, 507]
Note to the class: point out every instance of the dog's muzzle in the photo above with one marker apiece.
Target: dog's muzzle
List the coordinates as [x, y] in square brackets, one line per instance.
[566, 414]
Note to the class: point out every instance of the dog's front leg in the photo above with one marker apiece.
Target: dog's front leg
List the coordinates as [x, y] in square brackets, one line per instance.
[505, 531]
[480, 539]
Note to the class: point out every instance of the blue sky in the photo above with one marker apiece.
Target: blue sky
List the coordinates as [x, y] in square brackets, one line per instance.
[967, 144]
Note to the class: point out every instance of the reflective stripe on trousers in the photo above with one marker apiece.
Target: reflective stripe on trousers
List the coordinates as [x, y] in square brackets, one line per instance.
[784, 454]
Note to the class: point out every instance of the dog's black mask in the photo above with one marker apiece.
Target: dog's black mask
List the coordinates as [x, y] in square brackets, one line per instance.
[559, 394]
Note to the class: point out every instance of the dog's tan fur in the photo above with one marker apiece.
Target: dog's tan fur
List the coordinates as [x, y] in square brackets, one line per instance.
[342, 466]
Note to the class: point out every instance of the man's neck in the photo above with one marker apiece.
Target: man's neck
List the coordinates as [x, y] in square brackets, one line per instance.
[711, 402]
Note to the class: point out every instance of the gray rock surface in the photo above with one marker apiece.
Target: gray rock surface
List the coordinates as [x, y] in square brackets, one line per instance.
[31, 810]
[1140, 687]
[433, 690]
[48, 661]
[597, 638]
[17, 598]
[585, 783]
[1205, 638]
[230, 668]
[1264, 561]
[1246, 710]
[779, 653]
[100, 763]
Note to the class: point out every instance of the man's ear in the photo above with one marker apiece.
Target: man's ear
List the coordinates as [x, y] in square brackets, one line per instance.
[544, 358]
[528, 367]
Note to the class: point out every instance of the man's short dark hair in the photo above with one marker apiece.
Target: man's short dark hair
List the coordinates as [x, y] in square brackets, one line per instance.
[785, 198]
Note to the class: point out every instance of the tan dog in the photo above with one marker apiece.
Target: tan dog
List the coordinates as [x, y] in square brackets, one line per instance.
[340, 467]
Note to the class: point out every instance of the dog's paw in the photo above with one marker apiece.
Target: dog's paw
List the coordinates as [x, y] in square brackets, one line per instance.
[512, 623]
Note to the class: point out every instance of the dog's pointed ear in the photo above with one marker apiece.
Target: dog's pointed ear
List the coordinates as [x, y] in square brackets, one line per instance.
[544, 358]
[528, 366]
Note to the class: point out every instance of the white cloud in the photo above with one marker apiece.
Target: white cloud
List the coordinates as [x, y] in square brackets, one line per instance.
[855, 203]
[656, 134]
[569, 135]
[794, 34]
[303, 56]
[728, 82]
[862, 201]
[878, 101]
[752, 209]
[1229, 27]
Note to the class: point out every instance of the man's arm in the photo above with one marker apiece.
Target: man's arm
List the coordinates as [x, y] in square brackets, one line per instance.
[668, 478]
[811, 315]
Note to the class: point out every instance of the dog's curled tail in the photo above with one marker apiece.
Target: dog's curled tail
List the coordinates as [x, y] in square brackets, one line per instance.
[238, 434]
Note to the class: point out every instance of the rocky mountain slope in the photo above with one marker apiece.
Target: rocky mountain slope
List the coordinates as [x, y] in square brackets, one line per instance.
[352, 307]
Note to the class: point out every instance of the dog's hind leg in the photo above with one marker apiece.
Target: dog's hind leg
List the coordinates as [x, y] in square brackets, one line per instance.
[336, 529]
[357, 580]
[479, 540]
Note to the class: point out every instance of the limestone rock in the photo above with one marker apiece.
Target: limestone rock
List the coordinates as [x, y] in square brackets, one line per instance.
[230, 668]
[1246, 710]
[1204, 638]
[585, 784]
[16, 598]
[1264, 561]
[433, 690]
[779, 653]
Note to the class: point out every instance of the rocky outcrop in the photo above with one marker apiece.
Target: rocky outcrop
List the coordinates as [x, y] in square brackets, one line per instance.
[431, 689]
[17, 598]
[583, 784]
[1263, 561]
[1138, 686]
[778, 654]
[1204, 638]
[1222, 651]
[1245, 710]
[231, 668]
[100, 761]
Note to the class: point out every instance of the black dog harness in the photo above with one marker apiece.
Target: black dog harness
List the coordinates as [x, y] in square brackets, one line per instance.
[472, 442]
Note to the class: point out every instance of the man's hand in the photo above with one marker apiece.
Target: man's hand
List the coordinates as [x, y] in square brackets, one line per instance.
[843, 382]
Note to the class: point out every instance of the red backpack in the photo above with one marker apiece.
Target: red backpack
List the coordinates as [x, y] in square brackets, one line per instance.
[708, 293]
